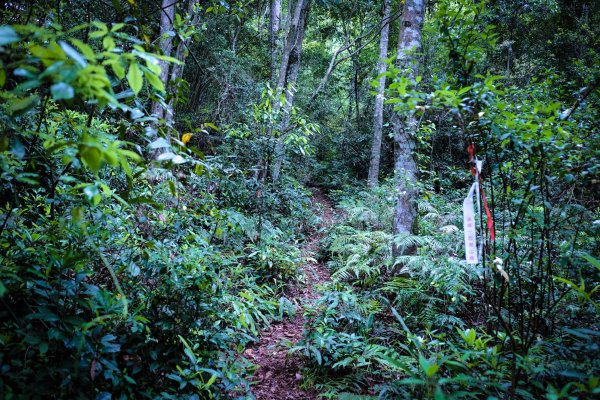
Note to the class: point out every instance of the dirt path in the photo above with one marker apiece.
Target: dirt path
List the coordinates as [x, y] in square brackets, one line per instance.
[278, 377]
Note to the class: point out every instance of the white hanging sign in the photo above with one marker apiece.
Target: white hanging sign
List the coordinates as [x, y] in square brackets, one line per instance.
[469, 227]
[471, 251]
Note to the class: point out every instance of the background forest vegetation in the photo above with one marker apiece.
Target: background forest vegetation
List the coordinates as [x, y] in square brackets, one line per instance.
[157, 159]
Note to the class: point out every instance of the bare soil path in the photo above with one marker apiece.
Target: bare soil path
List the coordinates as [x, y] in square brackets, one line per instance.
[278, 375]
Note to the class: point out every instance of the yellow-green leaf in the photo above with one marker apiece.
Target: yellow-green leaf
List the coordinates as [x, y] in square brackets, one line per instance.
[97, 34]
[20, 106]
[92, 157]
[100, 25]
[85, 49]
[72, 53]
[108, 43]
[134, 77]
[154, 81]
[118, 69]
[116, 27]
[153, 67]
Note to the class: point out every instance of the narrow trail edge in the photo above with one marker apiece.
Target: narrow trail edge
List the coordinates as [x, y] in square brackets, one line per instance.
[278, 376]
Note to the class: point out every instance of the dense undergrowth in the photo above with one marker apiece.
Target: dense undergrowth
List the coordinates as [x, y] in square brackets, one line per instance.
[123, 278]
[151, 296]
[420, 326]
[143, 252]
[155, 295]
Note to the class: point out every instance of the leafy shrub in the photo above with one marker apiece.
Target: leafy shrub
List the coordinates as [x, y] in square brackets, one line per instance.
[122, 277]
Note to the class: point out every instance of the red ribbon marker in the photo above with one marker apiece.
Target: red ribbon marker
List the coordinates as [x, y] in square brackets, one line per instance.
[490, 219]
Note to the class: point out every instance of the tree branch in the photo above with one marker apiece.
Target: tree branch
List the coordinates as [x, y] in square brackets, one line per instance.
[335, 61]
[590, 89]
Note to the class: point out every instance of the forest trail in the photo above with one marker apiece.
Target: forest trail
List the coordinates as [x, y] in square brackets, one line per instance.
[278, 376]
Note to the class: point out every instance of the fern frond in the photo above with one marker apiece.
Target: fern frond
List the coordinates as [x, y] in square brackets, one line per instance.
[408, 241]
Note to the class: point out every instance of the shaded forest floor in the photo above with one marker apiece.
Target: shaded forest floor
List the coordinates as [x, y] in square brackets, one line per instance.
[278, 376]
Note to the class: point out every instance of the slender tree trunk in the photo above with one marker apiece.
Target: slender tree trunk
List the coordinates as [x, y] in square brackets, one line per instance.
[167, 16]
[378, 113]
[293, 41]
[181, 53]
[262, 167]
[288, 74]
[325, 79]
[356, 88]
[273, 34]
[405, 126]
[285, 117]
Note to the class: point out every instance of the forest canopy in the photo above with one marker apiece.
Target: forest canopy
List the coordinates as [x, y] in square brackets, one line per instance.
[300, 199]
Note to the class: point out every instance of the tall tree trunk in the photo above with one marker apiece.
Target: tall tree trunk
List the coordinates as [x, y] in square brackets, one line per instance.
[288, 74]
[262, 168]
[405, 126]
[273, 34]
[176, 70]
[356, 88]
[167, 16]
[378, 113]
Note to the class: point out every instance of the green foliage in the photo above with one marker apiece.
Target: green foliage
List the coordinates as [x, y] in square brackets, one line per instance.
[338, 335]
[274, 261]
[141, 255]
[419, 324]
[124, 277]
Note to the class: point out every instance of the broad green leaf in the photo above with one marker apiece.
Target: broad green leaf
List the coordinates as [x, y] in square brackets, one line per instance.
[165, 156]
[118, 69]
[154, 81]
[62, 91]
[22, 105]
[159, 143]
[126, 167]
[101, 26]
[211, 125]
[439, 395]
[92, 157]
[144, 200]
[8, 35]
[134, 269]
[134, 77]
[28, 177]
[43, 347]
[411, 381]
[117, 26]
[92, 194]
[97, 34]
[154, 67]
[111, 156]
[392, 362]
[430, 368]
[78, 28]
[168, 59]
[130, 154]
[317, 355]
[108, 43]
[85, 49]
[44, 315]
[178, 160]
[593, 261]
[72, 53]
